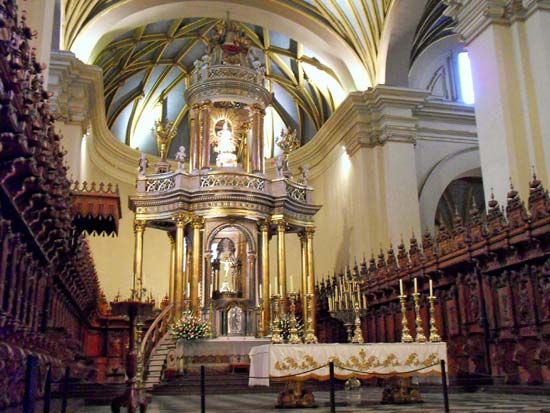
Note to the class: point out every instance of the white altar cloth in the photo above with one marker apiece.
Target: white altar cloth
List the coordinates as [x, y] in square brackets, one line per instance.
[221, 350]
[310, 361]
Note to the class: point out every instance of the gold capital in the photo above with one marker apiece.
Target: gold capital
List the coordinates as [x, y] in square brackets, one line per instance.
[197, 221]
[310, 231]
[139, 226]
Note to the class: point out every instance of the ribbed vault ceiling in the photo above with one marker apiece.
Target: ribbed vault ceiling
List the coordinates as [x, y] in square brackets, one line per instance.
[358, 22]
[146, 71]
[146, 68]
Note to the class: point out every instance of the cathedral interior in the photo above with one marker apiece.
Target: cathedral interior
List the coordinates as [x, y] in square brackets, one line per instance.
[307, 195]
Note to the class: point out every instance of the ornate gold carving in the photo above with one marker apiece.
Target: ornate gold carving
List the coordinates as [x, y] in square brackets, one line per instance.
[405, 333]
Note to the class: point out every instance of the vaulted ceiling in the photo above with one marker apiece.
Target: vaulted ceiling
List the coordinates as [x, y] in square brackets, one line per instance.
[146, 67]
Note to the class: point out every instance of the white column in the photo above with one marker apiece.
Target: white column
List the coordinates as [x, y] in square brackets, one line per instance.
[510, 59]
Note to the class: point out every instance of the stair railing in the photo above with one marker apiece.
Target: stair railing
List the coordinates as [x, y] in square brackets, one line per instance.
[154, 334]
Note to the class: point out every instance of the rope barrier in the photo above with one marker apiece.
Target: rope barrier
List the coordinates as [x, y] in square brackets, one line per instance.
[387, 374]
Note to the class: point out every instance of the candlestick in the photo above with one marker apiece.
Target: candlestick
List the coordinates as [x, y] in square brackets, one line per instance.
[357, 333]
[415, 286]
[294, 338]
[420, 337]
[405, 334]
[400, 287]
[431, 288]
[275, 325]
[434, 336]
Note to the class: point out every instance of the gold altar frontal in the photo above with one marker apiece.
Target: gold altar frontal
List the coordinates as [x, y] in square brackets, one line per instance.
[219, 209]
[294, 364]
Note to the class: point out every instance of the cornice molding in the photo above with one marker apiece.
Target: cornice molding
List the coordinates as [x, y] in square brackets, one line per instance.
[363, 120]
[474, 16]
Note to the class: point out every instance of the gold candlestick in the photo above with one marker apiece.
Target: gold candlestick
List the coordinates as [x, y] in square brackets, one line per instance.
[405, 333]
[434, 336]
[294, 338]
[310, 338]
[357, 333]
[275, 327]
[420, 337]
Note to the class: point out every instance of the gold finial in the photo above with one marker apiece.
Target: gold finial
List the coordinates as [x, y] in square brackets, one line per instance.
[164, 135]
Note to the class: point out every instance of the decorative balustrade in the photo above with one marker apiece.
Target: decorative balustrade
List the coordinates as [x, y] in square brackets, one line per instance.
[296, 191]
[232, 180]
[160, 184]
[491, 280]
[215, 72]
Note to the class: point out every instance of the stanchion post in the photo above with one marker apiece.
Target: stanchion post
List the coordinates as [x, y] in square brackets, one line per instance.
[332, 399]
[30, 384]
[445, 389]
[48, 390]
[203, 400]
[65, 390]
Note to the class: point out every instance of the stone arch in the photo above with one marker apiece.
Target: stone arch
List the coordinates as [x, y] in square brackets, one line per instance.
[396, 41]
[456, 165]
[339, 55]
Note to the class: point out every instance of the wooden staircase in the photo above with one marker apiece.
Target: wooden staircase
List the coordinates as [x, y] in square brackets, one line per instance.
[157, 361]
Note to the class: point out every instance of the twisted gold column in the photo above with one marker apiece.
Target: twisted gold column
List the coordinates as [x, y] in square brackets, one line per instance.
[196, 269]
[311, 275]
[281, 263]
[137, 285]
[305, 288]
[266, 304]
[178, 264]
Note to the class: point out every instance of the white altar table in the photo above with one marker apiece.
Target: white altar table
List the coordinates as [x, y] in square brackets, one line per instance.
[222, 351]
[310, 361]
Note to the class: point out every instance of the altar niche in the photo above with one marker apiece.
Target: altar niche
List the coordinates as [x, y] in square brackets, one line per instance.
[231, 280]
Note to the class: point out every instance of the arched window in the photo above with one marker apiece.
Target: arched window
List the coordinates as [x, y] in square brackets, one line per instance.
[465, 81]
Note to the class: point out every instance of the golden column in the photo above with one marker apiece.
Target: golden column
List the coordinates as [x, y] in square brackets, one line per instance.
[281, 263]
[137, 287]
[256, 149]
[172, 285]
[196, 270]
[205, 124]
[181, 219]
[194, 142]
[305, 273]
[311, 274]
[266, 299]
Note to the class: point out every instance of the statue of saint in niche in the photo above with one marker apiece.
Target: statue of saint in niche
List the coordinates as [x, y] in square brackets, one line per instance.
[229, 268]
[235, 321]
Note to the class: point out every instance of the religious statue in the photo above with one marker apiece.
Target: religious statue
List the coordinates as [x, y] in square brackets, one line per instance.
[279, 165]
[225, 145]
[180, 157]
[142, 164]
[304, 174]
[235, 324]
[228, 265]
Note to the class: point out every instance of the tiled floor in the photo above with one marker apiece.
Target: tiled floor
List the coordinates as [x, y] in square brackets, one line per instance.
[256, 403]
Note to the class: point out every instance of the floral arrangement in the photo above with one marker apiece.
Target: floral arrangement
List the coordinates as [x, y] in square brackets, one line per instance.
[190, 327]
[284, 325]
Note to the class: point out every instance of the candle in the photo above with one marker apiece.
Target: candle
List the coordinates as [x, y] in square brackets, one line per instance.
[401, 287]
[211, 289]
[270, 290]
[260, 292]
[364, 301]
[415, 286]
[188, 289]
[291, 284]
[431, 288]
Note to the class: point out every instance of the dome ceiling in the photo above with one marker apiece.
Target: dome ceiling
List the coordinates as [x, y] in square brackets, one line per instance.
[146, 72]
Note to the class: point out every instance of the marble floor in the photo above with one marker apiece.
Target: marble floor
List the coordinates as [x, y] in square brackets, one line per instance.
[263, 402]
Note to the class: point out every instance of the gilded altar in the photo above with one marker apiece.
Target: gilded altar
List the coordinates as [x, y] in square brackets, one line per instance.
[217, 205]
